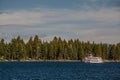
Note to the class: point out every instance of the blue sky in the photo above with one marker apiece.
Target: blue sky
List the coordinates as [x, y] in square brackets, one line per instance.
[87, 20]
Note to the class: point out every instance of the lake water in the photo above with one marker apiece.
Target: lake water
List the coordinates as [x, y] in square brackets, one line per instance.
[59, 71]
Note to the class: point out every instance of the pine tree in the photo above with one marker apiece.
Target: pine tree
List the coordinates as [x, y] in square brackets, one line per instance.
[80, 52]
[57, 49]
[29, 48]
[112, 53]
[37, 47]
[2, 49]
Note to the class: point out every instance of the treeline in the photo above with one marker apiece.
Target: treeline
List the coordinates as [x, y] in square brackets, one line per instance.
[57, 49]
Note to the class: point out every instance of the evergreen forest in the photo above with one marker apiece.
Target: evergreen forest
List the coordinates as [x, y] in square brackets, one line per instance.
[56, 49]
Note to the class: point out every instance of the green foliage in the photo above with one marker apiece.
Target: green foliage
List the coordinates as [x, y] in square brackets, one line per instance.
[57, 49]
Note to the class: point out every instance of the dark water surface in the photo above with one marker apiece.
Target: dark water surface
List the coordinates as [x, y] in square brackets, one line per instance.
[59, 71]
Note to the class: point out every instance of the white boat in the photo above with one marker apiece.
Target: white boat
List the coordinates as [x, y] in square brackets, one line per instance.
[92, 59]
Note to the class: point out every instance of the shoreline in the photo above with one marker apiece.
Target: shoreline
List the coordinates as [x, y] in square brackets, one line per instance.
[111, 60]
[41, 61]
[52, 60]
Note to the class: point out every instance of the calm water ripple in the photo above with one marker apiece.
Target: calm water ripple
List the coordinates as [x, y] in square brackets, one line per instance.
[59, 71]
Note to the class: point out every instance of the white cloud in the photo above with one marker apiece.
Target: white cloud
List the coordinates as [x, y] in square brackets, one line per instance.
[110, 35]
[95, 31]
[21, 17]
[52, 15]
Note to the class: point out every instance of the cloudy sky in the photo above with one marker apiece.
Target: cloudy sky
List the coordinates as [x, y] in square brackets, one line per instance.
[87, 20]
